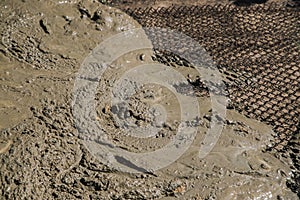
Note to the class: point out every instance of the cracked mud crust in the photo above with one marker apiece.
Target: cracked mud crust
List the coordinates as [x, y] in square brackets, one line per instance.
[42, 155]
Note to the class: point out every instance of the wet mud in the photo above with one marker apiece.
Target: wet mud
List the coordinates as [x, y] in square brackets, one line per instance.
[43, 156]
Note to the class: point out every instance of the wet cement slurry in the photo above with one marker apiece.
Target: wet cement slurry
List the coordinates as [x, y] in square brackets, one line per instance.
[42, 154]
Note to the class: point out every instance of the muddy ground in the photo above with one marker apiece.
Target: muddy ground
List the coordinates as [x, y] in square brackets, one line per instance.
[43, 154]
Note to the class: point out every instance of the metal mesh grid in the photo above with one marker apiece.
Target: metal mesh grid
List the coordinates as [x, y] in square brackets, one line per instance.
[258, 47]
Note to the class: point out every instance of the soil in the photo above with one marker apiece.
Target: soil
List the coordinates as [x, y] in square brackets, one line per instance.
[43, 154]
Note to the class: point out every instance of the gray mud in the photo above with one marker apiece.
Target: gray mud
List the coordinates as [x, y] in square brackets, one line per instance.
[42, 155]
